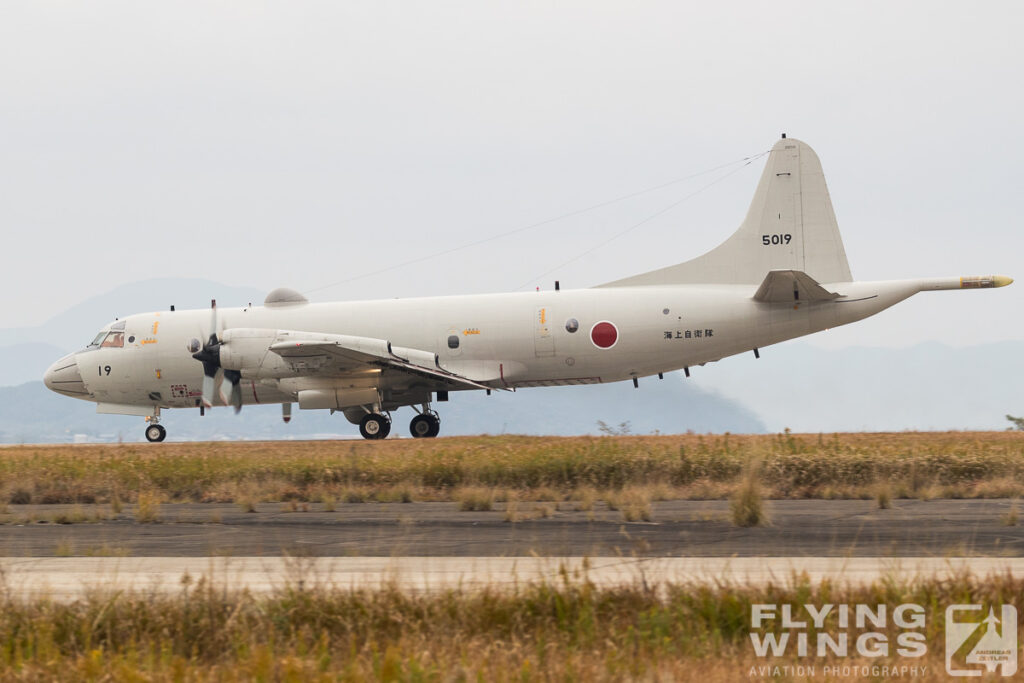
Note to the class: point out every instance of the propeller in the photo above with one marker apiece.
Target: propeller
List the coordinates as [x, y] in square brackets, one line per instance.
[209, 356]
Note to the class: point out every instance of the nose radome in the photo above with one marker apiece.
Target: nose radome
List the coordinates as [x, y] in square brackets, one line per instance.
[64, 377]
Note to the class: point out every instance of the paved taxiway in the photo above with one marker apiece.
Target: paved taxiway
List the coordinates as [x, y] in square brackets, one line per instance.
[72, 578]
[808, 528]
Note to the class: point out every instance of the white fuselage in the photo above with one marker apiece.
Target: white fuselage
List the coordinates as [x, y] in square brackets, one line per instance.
[504, 340]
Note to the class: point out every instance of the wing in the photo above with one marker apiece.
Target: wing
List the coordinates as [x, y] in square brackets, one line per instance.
[310, 353]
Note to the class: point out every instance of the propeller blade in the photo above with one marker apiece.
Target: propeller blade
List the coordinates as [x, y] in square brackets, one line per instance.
[233, 379]
[208, 389]
[213, 322]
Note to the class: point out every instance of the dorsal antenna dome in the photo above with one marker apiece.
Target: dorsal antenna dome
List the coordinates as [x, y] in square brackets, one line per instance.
[284, 296]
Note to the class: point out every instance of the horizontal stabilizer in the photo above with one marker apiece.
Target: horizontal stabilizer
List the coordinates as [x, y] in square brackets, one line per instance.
[787, 286]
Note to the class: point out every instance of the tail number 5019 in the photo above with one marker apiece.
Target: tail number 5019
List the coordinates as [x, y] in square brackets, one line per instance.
[768, 240]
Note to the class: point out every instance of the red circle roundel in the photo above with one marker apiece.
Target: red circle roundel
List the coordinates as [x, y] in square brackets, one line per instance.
[604, 335]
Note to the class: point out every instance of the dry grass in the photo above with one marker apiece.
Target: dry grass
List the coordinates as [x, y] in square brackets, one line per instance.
[393, 494]
[73, 516]
[355, 495]
[147, 508]
[567, 629]
[584, 498]
[512, 512]
[746, 506]
[545, 469]
[633, 502]
[545, 494]
[883, 497]
[516, 511]
[475, 498]
[543, 510]
[20, 496]
[998, 487]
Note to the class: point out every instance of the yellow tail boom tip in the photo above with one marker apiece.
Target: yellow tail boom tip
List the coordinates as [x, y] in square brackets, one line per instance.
[985, 281]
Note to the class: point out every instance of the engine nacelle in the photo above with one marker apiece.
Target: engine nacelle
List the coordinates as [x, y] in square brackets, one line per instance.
[245, 349]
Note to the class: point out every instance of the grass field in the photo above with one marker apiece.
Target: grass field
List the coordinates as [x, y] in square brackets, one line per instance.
[500, 468]
[566, 630]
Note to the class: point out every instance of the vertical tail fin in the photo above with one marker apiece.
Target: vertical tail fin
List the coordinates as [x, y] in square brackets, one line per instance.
[790, 226]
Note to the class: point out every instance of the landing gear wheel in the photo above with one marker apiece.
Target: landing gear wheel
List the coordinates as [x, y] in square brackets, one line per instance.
[155, 433]
[374, 426]
[425, 425]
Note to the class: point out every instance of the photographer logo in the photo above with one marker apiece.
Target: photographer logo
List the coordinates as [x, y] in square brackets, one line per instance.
[976, 645]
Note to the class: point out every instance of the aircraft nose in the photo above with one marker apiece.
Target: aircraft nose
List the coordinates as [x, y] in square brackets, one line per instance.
[64, 377]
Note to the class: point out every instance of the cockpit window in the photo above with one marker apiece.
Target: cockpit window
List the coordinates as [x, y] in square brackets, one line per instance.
[112, 337]
[114, 340]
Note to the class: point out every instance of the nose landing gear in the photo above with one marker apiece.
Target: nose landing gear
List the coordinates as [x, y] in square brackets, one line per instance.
[155, 433]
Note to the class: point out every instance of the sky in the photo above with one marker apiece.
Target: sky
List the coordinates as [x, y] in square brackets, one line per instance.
[309, 144]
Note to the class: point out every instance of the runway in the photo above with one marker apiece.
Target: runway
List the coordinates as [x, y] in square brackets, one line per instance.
[798, 528]
[64, 579]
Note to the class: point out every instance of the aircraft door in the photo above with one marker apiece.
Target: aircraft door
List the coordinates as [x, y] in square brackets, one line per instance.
[543, 340]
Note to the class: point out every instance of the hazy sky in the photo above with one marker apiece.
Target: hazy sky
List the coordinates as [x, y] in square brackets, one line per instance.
[304, 143]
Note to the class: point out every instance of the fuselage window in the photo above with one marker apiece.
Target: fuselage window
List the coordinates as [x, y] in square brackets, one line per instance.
[453, 341]
[571, 325]
[114, 340]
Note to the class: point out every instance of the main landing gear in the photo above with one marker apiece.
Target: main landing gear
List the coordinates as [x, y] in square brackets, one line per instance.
[425, 425]
[375, 426]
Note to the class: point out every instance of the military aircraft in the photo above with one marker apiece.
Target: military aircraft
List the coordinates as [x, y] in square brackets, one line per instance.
[783, 274]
